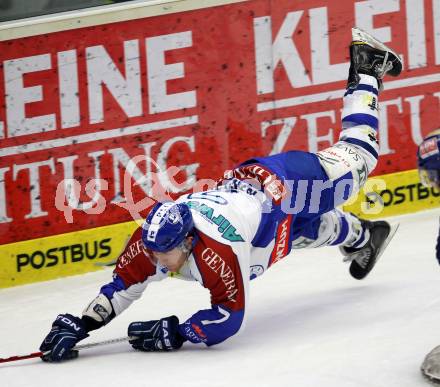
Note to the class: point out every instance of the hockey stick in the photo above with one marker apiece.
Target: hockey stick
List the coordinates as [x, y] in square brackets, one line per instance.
[78, 347]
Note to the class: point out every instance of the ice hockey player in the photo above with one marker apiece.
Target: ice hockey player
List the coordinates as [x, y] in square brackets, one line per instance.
[428, 161]
[261, 210]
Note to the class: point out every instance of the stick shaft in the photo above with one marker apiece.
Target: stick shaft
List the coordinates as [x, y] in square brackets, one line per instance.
[77, 348]
[99, 343]
[15, 358]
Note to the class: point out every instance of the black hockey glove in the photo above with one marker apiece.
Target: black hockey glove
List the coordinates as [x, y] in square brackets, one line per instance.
[156, 335]
[66, 331]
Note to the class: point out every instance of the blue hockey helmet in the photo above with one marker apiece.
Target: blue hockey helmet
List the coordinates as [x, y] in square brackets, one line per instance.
[428, 160]
[166, 226]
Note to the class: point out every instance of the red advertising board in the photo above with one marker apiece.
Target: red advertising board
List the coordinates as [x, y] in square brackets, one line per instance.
[201, 90]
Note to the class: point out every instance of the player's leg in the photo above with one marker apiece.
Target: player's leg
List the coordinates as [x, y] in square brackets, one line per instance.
[331, 229]
[348, 162]
[354, 157]
[331, 175]
[360, 241]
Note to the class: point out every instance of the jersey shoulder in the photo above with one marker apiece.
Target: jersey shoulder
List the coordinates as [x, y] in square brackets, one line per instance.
[135, 263]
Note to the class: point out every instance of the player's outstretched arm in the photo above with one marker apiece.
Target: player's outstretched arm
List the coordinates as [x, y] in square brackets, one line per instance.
[67, 330]
[211, 326]
[227, 278]
[225, 272]
[132, 273]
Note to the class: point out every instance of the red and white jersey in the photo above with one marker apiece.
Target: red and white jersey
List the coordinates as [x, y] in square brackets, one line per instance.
[223, 260]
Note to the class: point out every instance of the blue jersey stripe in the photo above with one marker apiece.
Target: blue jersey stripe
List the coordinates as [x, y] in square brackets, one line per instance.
[361, 119]
[362, 144]
[343, 231]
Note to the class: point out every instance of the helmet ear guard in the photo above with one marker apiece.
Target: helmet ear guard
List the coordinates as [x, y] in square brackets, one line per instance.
[166, 226]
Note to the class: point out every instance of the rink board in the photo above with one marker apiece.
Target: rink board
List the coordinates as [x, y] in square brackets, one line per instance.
[393, 194]
[62, 255]
[192, 88]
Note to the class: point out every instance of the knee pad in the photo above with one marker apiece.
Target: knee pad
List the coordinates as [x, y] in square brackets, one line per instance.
[334, 228]
[344, 160]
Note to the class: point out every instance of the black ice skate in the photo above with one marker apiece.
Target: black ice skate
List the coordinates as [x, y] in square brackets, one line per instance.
[364, 258]
[369, 56]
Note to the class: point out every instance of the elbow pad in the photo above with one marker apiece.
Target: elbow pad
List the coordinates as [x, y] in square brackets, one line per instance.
[98, 313]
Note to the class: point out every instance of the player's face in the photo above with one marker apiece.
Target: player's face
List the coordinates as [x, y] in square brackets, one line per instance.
[174, 259]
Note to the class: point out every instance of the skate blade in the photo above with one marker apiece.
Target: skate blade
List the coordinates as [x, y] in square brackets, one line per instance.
[393, 230]
[359, 35]
[360, 275]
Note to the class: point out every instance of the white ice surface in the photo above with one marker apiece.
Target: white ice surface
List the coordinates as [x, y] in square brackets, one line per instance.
[309, 325]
